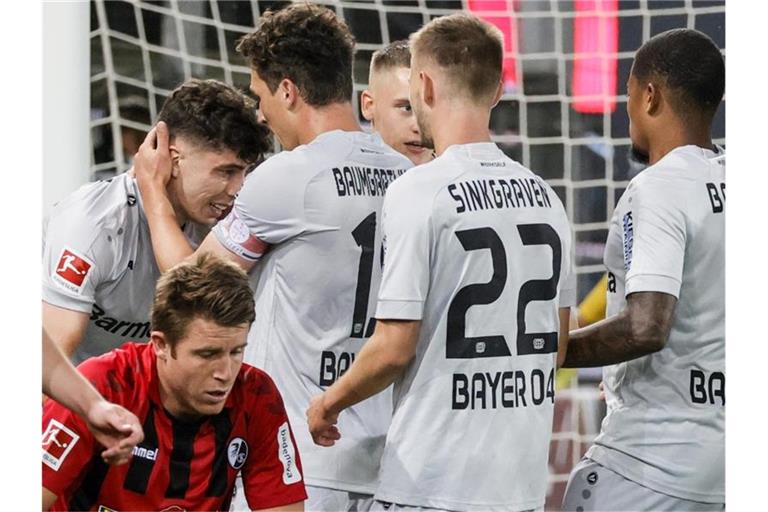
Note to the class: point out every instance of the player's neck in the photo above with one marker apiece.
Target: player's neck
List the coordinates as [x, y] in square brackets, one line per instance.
[173, 198]
[316, 121]
[459, 126]
[675, 135]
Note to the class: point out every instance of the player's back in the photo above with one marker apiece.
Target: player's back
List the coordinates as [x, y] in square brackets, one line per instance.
[473, 411]
[315, 289]
[666, 411]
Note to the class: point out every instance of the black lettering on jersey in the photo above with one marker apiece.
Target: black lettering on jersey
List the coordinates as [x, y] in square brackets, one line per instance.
[452, 190]
[707, 389]
[181, 457]
[222, 427]
[88, 492]
[140, 470]
[611, 282]
[715, 199]
[509, 389]
[125, 329]
[339, 179]
[332, 367]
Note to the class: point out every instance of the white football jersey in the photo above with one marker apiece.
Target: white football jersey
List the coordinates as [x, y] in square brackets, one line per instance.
[98, 259]
[478, 249]
[315, 211]
[665, 423]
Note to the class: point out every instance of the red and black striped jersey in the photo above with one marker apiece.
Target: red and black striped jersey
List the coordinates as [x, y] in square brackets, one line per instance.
[179, 465]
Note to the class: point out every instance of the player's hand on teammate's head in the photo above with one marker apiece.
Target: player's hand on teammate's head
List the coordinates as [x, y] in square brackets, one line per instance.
[115, 428]
[152, 164]
[322, 423]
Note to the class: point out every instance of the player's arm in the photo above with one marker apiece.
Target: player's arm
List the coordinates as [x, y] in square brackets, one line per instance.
[381, 360]
[66, 326]
[562, 342]
[48, 499]
[293, 507]
[641, 329]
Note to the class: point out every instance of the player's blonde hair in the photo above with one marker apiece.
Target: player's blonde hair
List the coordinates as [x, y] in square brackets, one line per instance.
[469, 50]
[209, 288]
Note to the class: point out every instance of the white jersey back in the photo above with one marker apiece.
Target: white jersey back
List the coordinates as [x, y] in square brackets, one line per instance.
[479, 249]
[316, 208]
[666, 411]
[98, 259]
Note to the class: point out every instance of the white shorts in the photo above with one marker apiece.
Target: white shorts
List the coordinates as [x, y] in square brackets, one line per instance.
[592, 487]
[319, 499]
[383, 506]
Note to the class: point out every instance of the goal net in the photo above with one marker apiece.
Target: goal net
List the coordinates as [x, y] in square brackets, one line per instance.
[563, 113]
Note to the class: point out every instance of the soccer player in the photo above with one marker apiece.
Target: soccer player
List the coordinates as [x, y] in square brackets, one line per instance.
[115, 428]
[306, 222]
[476, 287]
[99, 270]
[206, 416]
[661, 446]
[385, 103]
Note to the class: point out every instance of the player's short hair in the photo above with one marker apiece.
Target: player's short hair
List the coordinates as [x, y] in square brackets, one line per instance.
[470, 51]
[308, 45]
[689, 64]
[218, 117]
[209, 288]
[396, 54]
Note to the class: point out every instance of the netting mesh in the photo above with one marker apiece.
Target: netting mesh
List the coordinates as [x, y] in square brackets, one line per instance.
[141, 50]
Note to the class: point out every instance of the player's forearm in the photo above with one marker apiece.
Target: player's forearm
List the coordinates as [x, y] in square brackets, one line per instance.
[62, 381]
[168, 241]
[383, 358]
[640, 329]
[371, 373]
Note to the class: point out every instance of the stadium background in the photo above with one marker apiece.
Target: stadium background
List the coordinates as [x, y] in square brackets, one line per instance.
[563, 112]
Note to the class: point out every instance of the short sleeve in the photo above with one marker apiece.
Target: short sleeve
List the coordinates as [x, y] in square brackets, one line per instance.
[77, 258]
[268, 210]
[406, 245]
[68, 447]
[272, 474]
[654, 235]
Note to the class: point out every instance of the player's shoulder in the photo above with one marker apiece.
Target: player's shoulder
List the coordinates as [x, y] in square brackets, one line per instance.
[680, 167]
[121, 372]
[97, 204]
[253, 384]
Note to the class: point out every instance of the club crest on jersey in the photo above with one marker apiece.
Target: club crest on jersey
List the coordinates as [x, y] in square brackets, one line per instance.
[629, 239]
[72, 271]
[237, 452]
[58, 441]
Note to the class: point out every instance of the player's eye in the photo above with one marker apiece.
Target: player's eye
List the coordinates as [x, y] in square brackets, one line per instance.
[406, 108]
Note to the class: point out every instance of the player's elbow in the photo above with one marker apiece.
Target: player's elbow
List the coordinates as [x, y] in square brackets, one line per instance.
[648, 335]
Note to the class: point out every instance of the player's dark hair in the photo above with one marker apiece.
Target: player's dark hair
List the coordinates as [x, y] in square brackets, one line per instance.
[217, 116]
[468, 49]
[396, 54]
[689, 64]
[209, 288]
[308, 45]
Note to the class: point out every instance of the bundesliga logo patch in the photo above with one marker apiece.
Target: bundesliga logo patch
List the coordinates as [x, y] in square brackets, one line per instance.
[72, 270]
[58, 441]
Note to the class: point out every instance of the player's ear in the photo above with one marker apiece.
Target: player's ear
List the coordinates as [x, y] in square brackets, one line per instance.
[427, 89]
[652, 98]
[162, 348]
[499, 92]
[175, 157]
[288, 93]
[366, 105]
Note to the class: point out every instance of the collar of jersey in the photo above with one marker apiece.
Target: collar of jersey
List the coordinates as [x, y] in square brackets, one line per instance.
[706, 153]
[477, 150]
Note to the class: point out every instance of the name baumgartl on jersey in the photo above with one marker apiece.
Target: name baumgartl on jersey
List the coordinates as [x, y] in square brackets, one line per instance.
[363, 181]
[496, 193]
